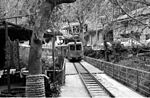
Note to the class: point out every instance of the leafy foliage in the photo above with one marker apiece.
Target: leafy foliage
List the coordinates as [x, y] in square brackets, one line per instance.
[98, 54]
[54, 90]
[141, 62]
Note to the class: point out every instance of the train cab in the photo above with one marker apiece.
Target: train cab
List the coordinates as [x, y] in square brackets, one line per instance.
[75, 51]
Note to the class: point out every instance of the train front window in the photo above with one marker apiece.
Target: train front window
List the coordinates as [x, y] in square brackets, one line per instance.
[78, 47]
[72, 47]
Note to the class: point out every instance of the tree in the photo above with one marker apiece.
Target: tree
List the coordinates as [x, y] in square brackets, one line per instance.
[79, 12]
[115, 8]
[43, 9]
[40, 12]
[1, 9]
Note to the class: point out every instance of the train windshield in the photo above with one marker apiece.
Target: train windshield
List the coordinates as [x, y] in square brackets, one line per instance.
[78, 47]
[72, 47]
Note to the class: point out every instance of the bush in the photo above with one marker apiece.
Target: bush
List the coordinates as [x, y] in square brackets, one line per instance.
[46, 63]
[51, 89]
[54, 90]
[137, 62]
[118, 52]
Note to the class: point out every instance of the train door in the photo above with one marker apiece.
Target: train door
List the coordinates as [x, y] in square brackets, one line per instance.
[71, 48]
[79, 50]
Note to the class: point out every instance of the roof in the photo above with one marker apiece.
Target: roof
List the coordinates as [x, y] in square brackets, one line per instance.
[139, 12]
[15, 31]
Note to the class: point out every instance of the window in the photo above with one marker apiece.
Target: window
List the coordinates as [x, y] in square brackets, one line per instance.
[78, 47]
[147, 36]
[74, 29]
[72, 47]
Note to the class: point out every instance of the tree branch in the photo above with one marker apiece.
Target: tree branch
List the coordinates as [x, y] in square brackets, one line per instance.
[131, 16]
[142, 2]
[57, 2]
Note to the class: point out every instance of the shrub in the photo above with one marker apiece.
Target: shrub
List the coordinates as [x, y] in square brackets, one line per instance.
[118, 52]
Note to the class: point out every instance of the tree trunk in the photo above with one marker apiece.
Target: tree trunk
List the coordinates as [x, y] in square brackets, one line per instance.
[106, 29]
[105, 48]
[35, 79]
[82, 32]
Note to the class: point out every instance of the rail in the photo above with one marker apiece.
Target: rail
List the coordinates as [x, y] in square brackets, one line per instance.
[137, 79]
[92, 85]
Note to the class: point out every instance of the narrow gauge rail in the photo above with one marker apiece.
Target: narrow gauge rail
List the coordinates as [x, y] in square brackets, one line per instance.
[93, 86]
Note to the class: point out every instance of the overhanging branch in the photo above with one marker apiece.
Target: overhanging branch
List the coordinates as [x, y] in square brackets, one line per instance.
[142, 2]
[57, 2]
[131, 16]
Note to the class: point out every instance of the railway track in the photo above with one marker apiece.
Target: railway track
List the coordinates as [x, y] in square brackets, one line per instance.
[92, 85]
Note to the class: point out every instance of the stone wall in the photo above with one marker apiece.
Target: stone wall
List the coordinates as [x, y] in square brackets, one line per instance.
[35, 86]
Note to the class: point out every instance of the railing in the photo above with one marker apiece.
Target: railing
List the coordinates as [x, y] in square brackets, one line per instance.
[137, 79]
[59, 74]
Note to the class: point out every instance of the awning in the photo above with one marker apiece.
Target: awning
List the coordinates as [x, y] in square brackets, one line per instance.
[15, 32]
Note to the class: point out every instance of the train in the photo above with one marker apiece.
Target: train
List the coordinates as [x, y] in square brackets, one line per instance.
[72, 47]
[74, 51]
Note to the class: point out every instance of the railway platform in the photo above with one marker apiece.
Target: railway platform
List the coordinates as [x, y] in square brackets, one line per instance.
[73, 85]
[74, 88]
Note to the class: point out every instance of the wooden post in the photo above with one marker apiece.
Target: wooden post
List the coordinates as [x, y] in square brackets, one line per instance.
[17, 42]
[16, 20]
[8, 64]
[8, 78]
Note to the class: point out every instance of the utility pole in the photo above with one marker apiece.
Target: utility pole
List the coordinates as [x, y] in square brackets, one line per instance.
[53, 55]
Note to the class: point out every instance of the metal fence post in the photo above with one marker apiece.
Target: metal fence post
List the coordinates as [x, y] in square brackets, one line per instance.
[105, 67]
[100, 66]
[113, 70]
[119, 74]
[126, 78]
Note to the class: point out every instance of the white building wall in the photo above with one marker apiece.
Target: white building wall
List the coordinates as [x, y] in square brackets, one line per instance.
[96, 42]
[120, 29]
